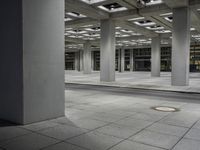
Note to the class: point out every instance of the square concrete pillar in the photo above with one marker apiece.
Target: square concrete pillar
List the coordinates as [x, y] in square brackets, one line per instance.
[107, 50]
[77, 61]
[122, 59]
[81, 59]
[87, 58]
[155, 57]
[31, 60]
[131, 61]
[180, 46]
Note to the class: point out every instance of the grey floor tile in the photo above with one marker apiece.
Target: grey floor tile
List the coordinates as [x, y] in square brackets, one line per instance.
[134, 123]
[156, 139]
[40, 125]
[147, 117]
[129, 145]
[87, 123]
[118, 130]
[106, 117]
[29, 142]
[187, 144]
[193, 134]
[181, 119]
[10, 132]
[95, 141]
[63, 146]
[197, 125]
[168, 129]
[63, 132]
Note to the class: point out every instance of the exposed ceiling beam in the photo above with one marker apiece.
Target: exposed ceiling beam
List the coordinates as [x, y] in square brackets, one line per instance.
[136, 28]
[85, 9]
[176, 3]
[74, 40]
[80, 22]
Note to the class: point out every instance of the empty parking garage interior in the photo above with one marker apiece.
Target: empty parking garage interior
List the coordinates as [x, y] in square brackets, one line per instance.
[100, 75]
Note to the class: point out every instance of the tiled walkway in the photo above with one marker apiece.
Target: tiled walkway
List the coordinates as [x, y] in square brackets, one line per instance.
[136, 80]
[97, 120]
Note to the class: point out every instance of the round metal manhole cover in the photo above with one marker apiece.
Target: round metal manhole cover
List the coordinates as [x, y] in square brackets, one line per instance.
[165, 109]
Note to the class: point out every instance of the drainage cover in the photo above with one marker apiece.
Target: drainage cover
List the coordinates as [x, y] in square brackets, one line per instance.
[165, 108]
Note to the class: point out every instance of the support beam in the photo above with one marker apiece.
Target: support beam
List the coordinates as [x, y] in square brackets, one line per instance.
[107, 50]
[87, 63]
[176, 3]
[136, 28]
[181, 46]
[32, 60]
[155, 56]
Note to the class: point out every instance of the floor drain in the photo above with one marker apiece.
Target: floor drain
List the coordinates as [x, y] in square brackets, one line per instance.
[165, 109]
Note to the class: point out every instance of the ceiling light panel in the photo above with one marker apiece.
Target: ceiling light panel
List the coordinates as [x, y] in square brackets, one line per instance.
[113, 7]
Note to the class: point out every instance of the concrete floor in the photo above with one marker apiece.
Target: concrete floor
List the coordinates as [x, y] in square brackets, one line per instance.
[136, 80]
[100, 120]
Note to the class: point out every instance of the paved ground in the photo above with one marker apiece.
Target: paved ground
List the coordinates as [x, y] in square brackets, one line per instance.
[99, 120]
[136, 80]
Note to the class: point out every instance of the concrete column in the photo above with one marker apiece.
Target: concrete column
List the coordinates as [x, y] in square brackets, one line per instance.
[180, 46]
[92, 60]
[119, 59]
[31, 60]
[155, 57]
[81, 60]
[87, 62]
[122, 59]
[77, 61]
[107, 50]
[131, 61]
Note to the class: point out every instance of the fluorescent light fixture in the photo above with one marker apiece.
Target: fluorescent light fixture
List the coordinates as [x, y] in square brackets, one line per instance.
[117, 27]
[196, 36]
[86, 26]
[145, 24]
[192, 29]
[126, 31]
[154, 2]
[67, 19]
[77, 15]
[155, 28]
[112, 10]
[163, 31]
[92, 1]
[166, 14]
[168, 19]
[135, 19]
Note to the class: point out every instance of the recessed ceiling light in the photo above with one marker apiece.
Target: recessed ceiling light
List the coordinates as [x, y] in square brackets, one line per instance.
[113, 7]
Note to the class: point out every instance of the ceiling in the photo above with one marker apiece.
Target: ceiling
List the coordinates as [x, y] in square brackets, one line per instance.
[136, 23]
